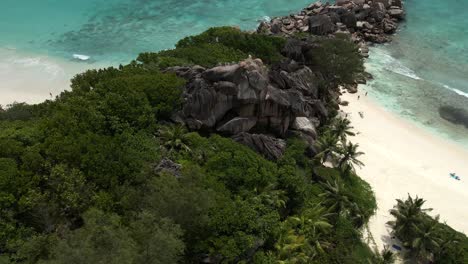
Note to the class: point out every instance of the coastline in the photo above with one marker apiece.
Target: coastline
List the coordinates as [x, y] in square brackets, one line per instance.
[402, 158]
[31, 78]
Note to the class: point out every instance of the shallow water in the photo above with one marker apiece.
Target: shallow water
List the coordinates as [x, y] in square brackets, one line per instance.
[117, 30]
[426, 66]
[38, 39]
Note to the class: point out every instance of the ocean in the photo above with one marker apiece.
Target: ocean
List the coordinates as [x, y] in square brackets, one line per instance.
[424, 68]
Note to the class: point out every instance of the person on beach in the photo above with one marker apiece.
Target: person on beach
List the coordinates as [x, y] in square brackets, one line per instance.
[358, 97]
[366, 93]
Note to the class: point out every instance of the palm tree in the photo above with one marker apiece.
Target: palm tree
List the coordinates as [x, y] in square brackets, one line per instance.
[448, 242]
[174, 138]
[271, 196]
[302, 238]
[342, 128]
[327, 145]
[312, 220]
[335, 197]
[291, 248]
[349, 157]
[425, 243]
[385, 257]
[407, 214]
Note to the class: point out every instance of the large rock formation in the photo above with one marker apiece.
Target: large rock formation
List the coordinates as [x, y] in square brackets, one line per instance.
[364, 20]
[168, 166]
[260, 106]
[272, 148]
[252, 103]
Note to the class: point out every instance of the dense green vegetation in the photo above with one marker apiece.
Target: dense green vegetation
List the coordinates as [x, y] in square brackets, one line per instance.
[78, 189]
[218, 45]
[80, 182]
[338, 59]
[425, 238]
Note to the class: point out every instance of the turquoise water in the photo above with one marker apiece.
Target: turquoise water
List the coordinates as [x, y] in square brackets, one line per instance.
[38, 38]
[117, 30]
[426, 65]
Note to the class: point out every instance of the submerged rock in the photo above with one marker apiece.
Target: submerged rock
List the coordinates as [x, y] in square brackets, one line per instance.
[454, 115]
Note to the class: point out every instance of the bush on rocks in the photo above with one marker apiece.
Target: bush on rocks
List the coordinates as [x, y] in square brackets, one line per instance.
[217, 45]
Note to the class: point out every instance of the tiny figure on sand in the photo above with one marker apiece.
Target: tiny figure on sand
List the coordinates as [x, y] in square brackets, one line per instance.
[361, 114]
[454, 176]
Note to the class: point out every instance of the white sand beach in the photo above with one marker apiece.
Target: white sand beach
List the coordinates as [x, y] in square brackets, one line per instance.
[33, 78]
[402, 158]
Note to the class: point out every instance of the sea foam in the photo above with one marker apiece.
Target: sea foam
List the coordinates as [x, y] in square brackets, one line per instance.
[81, 57]
[459, 92]
[394, 65]
[40, 64]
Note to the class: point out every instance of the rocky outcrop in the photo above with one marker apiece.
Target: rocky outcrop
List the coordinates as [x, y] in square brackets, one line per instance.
[270, 147]
[252, 103]
[305, 125]
[168, 166]
[260, 106]
[364, 20]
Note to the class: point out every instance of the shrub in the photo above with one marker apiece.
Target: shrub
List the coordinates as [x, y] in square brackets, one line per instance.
[337, 58]
[265, 47]
[203, 54]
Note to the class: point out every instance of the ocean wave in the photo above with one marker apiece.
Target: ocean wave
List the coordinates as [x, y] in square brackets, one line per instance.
[81, 57]
[459, 92]
[264, 19]
[394, 65]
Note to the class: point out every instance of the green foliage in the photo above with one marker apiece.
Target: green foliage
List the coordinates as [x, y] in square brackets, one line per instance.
[103, 239]
[17, 111]
[265, 47]
[237, 166]
[426, 238]
[81, 177]
[186, 200]
[130, 93]
[342, 128]
[338, 59]
[203, 54]
[350, 193]
[217, 45]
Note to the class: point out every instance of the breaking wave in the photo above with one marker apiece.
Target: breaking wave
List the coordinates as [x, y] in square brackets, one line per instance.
[394, 65]
[459, 92]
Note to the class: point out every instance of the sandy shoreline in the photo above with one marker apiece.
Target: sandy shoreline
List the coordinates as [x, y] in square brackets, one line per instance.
[402, 158]
[32, 78]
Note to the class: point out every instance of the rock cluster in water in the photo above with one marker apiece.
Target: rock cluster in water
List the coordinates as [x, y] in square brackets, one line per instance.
[371, 21]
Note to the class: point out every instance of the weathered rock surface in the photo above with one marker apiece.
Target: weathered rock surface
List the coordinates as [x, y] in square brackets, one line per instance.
[272, 148]
[260, 106]
[168, 166]
[304, 124]
[366, 20]
[321, 25]
[248, 99]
